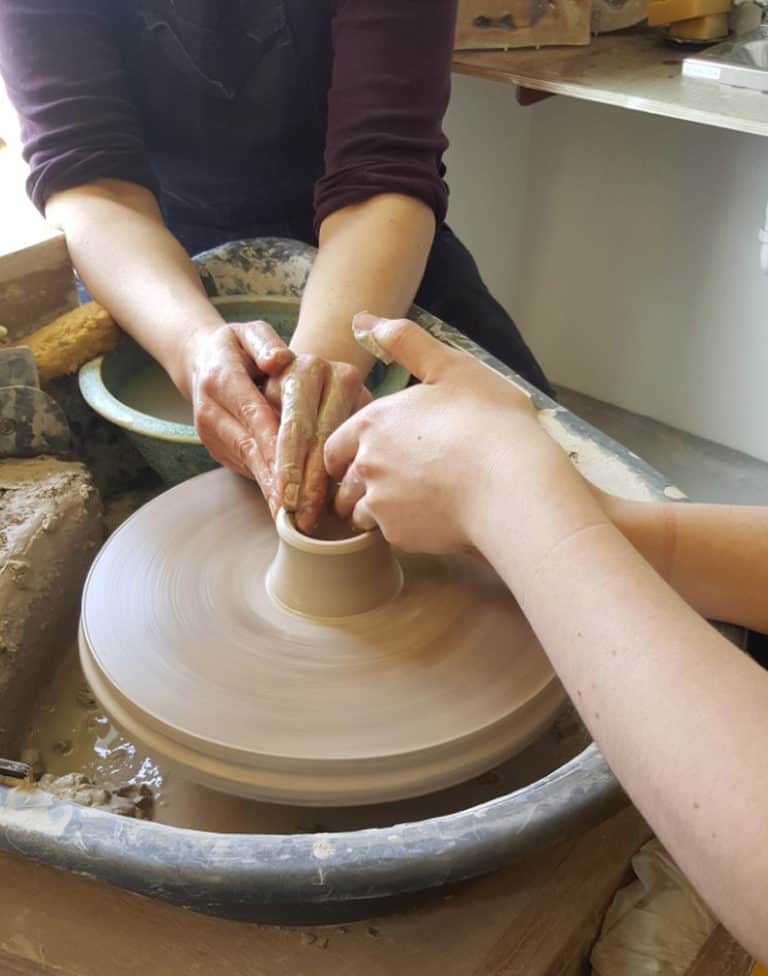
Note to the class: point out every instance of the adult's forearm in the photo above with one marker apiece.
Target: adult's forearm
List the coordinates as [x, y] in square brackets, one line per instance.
[679, 713]
[714, 556]
[132, 264]
[372, 257]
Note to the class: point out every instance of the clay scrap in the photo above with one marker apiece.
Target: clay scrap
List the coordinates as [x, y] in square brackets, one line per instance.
[131, 800]
[50, 530]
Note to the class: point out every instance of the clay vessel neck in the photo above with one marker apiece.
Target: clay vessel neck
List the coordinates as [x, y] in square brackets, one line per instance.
[331, 577]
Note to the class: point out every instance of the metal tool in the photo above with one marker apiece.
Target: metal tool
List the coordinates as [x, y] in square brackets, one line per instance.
[31, 422]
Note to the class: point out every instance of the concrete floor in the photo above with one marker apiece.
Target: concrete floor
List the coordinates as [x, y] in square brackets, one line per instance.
[705, 471]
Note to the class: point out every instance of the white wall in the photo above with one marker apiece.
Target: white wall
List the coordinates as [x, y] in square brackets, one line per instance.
[20, 223]
[488, 177]
[626, 247]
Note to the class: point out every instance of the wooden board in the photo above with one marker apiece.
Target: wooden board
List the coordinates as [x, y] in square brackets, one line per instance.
[504, 24]
[36, 280]
[36, 285]
[536, 919]
[635, 69]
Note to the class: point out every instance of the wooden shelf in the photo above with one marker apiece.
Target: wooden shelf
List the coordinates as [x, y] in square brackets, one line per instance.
[633, 69]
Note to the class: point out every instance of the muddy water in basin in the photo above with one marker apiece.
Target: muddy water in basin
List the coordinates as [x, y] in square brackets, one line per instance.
[151, 392]
[71, 734]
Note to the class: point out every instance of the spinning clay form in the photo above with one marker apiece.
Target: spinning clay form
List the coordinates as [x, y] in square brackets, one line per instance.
[311, 671]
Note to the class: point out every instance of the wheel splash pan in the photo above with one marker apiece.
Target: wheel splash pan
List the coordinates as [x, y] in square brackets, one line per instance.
[308, 878]
[331, 877]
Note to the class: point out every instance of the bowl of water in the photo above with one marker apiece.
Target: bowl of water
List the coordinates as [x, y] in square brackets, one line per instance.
[131, 390]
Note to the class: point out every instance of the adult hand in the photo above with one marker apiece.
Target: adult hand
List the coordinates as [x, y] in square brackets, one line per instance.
[232, 416]
[313, 397]
[267, 414]
[415, 463]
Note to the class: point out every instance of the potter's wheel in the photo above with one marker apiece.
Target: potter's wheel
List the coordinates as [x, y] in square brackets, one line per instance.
[188, 643]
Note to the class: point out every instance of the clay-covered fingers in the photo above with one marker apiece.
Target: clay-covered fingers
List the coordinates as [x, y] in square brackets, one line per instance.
[232, 417]
[342, 394]
[428, 359]
[404, 342]
[235, 447]
[230, 386]
[264, 346]
[301, 393]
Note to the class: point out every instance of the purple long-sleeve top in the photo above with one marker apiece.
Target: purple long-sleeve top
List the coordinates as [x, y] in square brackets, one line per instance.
[243, 116]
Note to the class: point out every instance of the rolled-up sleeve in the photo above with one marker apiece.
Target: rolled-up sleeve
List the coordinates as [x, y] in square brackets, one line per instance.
[389, 93]
[63, 73]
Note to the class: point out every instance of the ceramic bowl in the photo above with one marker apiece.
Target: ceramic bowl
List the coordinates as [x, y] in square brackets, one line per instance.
[165, 436]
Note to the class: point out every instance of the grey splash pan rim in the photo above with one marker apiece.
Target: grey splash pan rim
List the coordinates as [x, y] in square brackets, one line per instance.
[322, 878]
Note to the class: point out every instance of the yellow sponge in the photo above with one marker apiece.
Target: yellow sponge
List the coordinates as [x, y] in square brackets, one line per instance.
[62, 346]
[707, 28]
[663, 12]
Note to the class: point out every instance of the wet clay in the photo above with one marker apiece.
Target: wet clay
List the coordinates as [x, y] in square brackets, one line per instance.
[126, 801]
[331, 528]
[187, 651]
[68, 735]
[49, 531]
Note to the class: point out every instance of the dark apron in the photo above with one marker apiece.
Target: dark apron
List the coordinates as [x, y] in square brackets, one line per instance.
[233, 102]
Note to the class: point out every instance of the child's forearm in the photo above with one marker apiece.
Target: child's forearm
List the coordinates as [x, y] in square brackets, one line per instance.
[715, 556]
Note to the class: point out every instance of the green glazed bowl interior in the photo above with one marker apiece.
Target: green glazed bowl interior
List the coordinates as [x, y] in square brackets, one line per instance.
[107, 382]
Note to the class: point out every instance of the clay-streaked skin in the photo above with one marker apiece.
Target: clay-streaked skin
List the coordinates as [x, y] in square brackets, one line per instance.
[428, 689]
[372, 254]
[367, 339]
[314, 397]
[238, 427]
